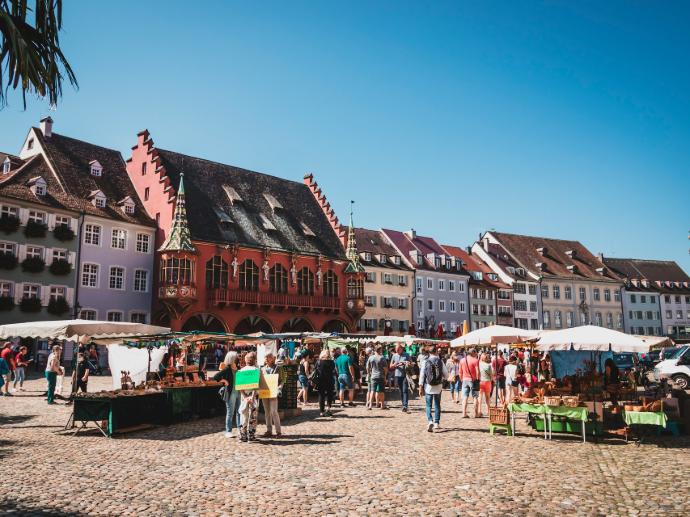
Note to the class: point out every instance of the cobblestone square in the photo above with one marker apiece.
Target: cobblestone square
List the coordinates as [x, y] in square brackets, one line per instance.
[358, 462]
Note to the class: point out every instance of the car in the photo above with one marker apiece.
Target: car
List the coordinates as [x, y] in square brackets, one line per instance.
[676, 367]
[624, 361]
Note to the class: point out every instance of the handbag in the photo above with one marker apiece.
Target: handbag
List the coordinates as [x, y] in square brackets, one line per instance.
[223, 393]
[475, 382]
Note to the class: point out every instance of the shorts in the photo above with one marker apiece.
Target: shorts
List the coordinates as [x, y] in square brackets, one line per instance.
[455, 386]
[345, 382]
[501, 381]
[485, 387]
[467, 389]
[303, 381]
[376, 385]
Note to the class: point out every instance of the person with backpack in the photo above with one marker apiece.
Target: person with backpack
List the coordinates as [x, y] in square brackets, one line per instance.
[432, 376]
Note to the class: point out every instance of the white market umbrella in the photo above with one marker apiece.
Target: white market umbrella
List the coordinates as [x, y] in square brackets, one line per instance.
[590, 337]
[486, 335]
[75, 329]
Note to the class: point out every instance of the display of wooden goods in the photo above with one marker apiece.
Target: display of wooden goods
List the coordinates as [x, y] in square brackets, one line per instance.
[551, 400]
[499, 415]
[571, 400]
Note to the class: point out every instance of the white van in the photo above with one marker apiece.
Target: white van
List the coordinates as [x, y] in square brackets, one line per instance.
[676, 367]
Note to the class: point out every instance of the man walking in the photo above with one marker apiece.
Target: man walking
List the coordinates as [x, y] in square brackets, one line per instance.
[399, 363]
[431, 377]
[346, 376]
[377, 368]
[499, 366]
[469, 373]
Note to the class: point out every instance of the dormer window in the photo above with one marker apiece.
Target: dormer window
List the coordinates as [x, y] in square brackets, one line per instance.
[127, 205]
[572, 268]
[396, 260]
[541, 266]
[30, 144]
[98, 199]
[223, 217]
[367, 256]
[232, 194]
[95, 168]
[306, 230]
[6, 166]
[571, 253]
[266, 223]
[601, 271]
[542, 251]
[382, 259]
[129, 209]
[272, 202]
[38, 186]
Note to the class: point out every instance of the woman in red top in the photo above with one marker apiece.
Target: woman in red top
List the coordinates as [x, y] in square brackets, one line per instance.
[22, 360]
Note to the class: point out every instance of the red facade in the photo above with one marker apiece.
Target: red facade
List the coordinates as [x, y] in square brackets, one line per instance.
[237, 288]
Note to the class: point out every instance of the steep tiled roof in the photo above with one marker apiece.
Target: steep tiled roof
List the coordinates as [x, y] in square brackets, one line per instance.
[373, 242]
[425, 245]
[555, 260]
[473, 263]
[664, 275]
[72, 184]
[230, 205]
[16, 161]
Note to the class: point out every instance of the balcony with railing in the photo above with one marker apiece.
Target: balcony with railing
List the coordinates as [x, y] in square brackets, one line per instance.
[221, 297]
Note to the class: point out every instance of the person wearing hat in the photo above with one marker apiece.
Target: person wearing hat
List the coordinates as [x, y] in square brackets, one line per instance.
[53, 369]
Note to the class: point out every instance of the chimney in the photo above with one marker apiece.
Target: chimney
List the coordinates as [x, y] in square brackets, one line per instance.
[600, 256]
[47, 127]
[485, 243]
[542, 251]
[468, 249]
[411, 234]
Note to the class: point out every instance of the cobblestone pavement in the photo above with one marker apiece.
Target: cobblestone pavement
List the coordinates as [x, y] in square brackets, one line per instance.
[358, 462]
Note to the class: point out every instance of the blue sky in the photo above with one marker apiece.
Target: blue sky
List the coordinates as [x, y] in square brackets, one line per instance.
[561, 119]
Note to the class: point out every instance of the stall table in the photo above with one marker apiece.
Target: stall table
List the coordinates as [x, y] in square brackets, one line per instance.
[186, 402]
[119, 412]
[640, 418]
[573, 413]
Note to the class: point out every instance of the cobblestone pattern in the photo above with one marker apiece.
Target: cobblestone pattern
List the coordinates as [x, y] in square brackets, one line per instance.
[358, 462]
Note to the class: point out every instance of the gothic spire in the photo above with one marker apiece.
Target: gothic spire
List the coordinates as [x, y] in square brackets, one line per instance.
[351, 251]
[179, 238]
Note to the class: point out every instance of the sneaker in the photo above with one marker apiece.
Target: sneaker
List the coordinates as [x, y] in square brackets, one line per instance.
[229, 435]
[369, 408]
[351, 404]
[430, 427]
[322, 414]
[436, 427]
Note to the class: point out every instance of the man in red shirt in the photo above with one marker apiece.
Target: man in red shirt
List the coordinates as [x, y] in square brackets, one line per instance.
[499, 366]
[469, 373]
[8, 355]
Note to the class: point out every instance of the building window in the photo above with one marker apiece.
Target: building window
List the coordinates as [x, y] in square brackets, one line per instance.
[58, 292]
[557, 319]
[370, 301]
[402, 280]
[462, 307]
[453, 307]
[118, 239]
[532, 289]
[544, 291]
[137, 317]
[40, 188]
[461, 287]
[617, 295]
[430, 305]
[6, 165]
[87, 314]
[114, 316]
[583, 294]
[569, 319]
[387, 278]
[99, 202]
[31, 291]
[249, 276]
[143, 243]
[597, 319]
[37, 217]
[633, 298]
[520, 288]
[96, 170]
[677, 299]
[92, 234]
[643, 298]
[330, 284]
[305, 281]
[609, 320]
[9, 211]
[146, 194]
[278, 279]
[216, 273]
[669, 314]
[520, 305]
[490, 309]
[61, 220]
[547, 319]
[5, 289]
[652, 299]
[429, 283]
[116, 279]
[89, 275]
[442, 305]
[568, 292]
[177, 271]
[141, 280]
[441, 285]
[679, 315]
[607, 295]
[143, 169]
[35, 252]
[596, 294]
[556, 292]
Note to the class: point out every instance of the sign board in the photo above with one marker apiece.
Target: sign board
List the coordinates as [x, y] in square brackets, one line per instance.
[247, 379]
[268, 386]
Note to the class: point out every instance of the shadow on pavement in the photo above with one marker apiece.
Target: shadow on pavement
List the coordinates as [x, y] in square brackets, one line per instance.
[310, 439]
[14, 419]
[13, 508]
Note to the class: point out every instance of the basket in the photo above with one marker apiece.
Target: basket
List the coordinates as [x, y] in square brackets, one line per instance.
[550, 400]
[499, 415]
[571, 401]
[655, 407]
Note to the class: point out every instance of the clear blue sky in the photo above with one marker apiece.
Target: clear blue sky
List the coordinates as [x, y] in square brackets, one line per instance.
[561, 119]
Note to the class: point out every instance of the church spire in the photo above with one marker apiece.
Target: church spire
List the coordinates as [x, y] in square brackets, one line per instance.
[351, 251]
[179, 238]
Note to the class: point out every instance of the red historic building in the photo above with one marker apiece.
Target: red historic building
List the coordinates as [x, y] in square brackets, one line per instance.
[240, 251]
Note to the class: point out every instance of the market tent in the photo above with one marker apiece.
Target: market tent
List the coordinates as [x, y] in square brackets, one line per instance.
[72, 330]
[657, 342]
[488, 335]
[590, 337]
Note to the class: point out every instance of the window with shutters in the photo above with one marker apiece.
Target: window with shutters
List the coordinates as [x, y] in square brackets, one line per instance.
[278, 279]
[58, 292]
[37, 217]
[7, 248]
[9, 211]
[34, 252]
[6, 289]
[31, 291]
[249, 276]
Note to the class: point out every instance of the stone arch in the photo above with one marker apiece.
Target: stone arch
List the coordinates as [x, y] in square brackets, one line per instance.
[337, 326]
[204, 322]
[252, 324]
[297, 325]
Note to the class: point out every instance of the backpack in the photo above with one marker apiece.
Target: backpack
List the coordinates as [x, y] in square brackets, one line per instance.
[433, 371]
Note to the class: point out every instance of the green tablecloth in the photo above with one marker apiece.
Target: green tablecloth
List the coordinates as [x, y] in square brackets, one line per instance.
[645, 418]
[575, 413]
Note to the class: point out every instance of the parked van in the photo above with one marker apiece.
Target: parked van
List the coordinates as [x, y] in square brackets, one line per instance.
[676, 367]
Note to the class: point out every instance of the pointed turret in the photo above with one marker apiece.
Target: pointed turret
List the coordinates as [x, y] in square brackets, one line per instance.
[179, 238]
[351, 253]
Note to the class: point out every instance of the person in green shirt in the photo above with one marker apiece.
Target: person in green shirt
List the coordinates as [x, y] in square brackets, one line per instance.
[346, 376]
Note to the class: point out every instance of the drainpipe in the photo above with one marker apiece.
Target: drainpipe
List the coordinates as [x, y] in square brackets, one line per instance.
[78, 266]
[412, 300]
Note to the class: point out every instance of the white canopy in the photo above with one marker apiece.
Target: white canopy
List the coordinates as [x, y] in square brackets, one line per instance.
[486, 335]
[75, 329]
[590, 337]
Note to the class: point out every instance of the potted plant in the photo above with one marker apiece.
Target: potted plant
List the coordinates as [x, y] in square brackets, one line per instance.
[60, 267]
[6, 303]
[62, 232]
[8, 261]
[30, 305]
[35, 229]
[33, 264]
[58, 306]
[9, 223]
